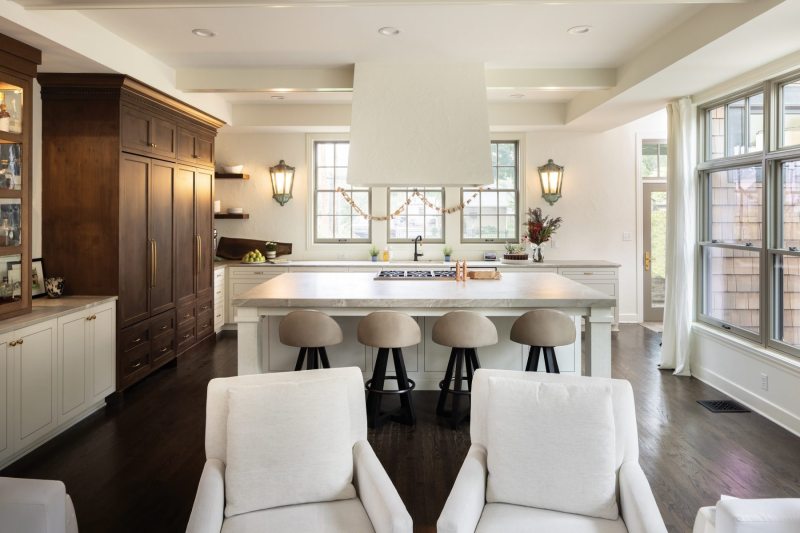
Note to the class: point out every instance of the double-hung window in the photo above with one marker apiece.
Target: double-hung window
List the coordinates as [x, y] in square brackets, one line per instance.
[493, 214]
[750, 214]
[418, 217]
[335, 220]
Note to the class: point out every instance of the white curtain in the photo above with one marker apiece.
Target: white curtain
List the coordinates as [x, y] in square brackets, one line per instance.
[681, 236]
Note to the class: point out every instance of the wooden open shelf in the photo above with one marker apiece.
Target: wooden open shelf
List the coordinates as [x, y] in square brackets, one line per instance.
[224, 176]
[240, 216]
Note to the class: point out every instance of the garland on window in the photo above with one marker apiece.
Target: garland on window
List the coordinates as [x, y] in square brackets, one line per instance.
[415, 193]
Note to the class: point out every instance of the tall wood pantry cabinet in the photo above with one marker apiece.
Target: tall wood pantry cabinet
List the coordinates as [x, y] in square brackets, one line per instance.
[127, 203]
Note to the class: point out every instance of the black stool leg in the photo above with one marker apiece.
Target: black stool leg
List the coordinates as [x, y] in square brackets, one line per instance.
[299, 364]
[311, 359]
[470, 370]
[547, 361]
[445, 383]
[407, 415]
[476, 363]
[323, 354]
[533, 359]
[373, 398]
[454, 415]
[551, 356]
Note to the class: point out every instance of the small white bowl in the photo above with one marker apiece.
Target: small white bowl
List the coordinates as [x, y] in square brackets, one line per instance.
[235, 210]
[235, 169]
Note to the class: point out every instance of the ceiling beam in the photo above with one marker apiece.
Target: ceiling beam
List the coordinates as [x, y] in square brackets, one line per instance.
[169, 4]
[340, 79]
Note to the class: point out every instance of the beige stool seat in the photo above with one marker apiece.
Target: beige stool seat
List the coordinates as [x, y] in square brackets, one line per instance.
[389, 331]
[464, 332]
[543, 329]
[311, 331]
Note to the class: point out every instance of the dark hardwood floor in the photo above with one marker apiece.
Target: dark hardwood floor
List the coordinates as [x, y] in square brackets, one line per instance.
[134, 466]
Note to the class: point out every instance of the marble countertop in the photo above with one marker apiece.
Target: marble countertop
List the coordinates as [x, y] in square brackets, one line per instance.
[356, 289]
[562, 263]
[46, 309]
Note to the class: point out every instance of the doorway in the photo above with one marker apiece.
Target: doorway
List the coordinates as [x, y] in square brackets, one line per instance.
[655, 250]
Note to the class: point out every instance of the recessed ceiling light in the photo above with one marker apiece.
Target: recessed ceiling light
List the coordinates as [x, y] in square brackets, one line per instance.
[277, 97]
[516, 95]
[389, 31]
[203, 32]
[579, 30]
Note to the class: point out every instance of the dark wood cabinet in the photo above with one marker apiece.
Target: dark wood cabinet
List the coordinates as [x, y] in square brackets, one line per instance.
[127, 209]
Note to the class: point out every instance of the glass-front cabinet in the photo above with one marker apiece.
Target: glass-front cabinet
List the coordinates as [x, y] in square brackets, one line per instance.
[17, 69]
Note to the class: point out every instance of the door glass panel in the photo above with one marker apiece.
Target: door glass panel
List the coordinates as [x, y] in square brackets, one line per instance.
[10, 222]
[10, 282]
[10, 166]
[658, 246]
[10, 108]
[732, 286]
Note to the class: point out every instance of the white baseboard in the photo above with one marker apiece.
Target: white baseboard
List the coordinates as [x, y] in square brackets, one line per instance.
[765, 408]
[629, 318]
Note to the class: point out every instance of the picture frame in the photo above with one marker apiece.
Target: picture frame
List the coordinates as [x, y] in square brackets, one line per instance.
[37, 276]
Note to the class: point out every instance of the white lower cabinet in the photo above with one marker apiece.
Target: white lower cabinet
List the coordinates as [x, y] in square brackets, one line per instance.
[52, 373]
[219, 299]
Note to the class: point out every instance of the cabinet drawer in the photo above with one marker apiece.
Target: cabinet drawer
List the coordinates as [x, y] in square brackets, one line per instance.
[186, 315]
[162, 349]
[135, 336]
[162, 324]
[205, 306]
[186, 336]
[205, 325]
[588, 273]
[135, 360]
[256, 272]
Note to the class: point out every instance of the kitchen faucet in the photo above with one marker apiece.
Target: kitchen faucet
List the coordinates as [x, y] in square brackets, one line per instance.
[417, 240]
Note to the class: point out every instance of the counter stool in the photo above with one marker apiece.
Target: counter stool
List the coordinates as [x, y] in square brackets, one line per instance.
[311, 331]
[387, 330]
[464, 332]
[543, 329]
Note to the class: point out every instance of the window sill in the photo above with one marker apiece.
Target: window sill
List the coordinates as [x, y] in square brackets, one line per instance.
[749, 348]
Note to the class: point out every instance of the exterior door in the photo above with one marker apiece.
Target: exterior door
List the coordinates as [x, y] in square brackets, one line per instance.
[203, 184]
[134, 246]
[655, 251]
[162, 295]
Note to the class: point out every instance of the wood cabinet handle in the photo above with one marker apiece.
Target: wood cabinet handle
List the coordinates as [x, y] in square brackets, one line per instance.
[155, 262]
[199, 252]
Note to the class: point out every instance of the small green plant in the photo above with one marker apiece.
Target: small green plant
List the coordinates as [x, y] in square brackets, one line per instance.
[271, 246]
[514, 248]
[447, 250]
[373, 251]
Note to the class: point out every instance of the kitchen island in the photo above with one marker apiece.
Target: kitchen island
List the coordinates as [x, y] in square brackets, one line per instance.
[349, 296]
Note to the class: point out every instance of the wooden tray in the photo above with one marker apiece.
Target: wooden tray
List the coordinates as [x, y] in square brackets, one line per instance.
[483, 274]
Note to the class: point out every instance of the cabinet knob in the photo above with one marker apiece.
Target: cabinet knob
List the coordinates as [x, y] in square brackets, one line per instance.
[164, 349]
[137, 365]
[163, 327]
[187, 336]
[19, 341]
[12, 343]
[187, 315]
[153, 145]
[139, 339]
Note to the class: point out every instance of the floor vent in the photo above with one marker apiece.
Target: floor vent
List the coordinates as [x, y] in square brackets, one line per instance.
[723, 406]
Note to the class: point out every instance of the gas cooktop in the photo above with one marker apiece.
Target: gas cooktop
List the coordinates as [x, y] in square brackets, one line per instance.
[416, 274]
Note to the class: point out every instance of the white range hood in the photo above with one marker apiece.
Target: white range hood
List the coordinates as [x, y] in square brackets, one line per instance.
[419, 124]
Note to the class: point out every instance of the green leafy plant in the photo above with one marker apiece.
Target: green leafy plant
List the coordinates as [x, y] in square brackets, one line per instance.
[514, 248]
[373, 251]
[447, 250]
[541, 227]
[271, 246]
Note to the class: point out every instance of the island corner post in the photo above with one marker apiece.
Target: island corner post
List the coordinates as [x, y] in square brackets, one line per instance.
[352, 295]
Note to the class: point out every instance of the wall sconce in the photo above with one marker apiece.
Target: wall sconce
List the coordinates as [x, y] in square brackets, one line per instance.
[551, 175]
[282, 176]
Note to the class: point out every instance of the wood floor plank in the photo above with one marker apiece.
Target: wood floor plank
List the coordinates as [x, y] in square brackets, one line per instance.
[134, 466]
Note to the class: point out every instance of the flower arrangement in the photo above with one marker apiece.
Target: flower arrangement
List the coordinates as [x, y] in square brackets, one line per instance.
[541, 227]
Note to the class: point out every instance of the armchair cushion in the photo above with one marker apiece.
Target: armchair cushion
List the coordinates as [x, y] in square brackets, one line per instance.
[288, 443]
[321, 517]
[552, 446]
[775, 515]
[505, 518]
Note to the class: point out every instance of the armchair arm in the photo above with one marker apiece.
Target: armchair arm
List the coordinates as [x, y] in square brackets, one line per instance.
[33, 505]
[464, 506]
[757, 516]
[639, 510]
[384, 507]
[209, 503]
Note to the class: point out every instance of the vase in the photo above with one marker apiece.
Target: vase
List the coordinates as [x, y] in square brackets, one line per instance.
[536, 253]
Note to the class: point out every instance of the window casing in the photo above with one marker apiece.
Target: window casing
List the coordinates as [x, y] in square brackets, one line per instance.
[418, 218]
[493, 215]
[749, 257]
[334, 219]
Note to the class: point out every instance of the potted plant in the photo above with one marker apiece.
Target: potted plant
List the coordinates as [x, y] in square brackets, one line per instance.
[373, 253]
[447, 251]
[515, 252]
[272, 249]
[540, 229]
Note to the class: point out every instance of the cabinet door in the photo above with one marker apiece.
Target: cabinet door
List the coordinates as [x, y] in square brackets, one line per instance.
[103, 353]
[73, 345]
[5, 397]
[203, 209]
[204, 149]
[164, 137]
[134, 246]
[186, 145]
[185, 241]
[162, 295]
[136, 128]
[35, 370]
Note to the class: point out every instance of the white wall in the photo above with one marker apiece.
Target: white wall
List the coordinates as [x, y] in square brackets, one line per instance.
[598, 204]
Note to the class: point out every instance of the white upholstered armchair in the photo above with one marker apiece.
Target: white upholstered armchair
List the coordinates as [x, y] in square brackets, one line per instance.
[583, 474]
[35, 506]
[287, 452]
[733, 515]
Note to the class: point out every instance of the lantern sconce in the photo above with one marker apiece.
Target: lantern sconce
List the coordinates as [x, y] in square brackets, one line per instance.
[551, 175]
[282, 176]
